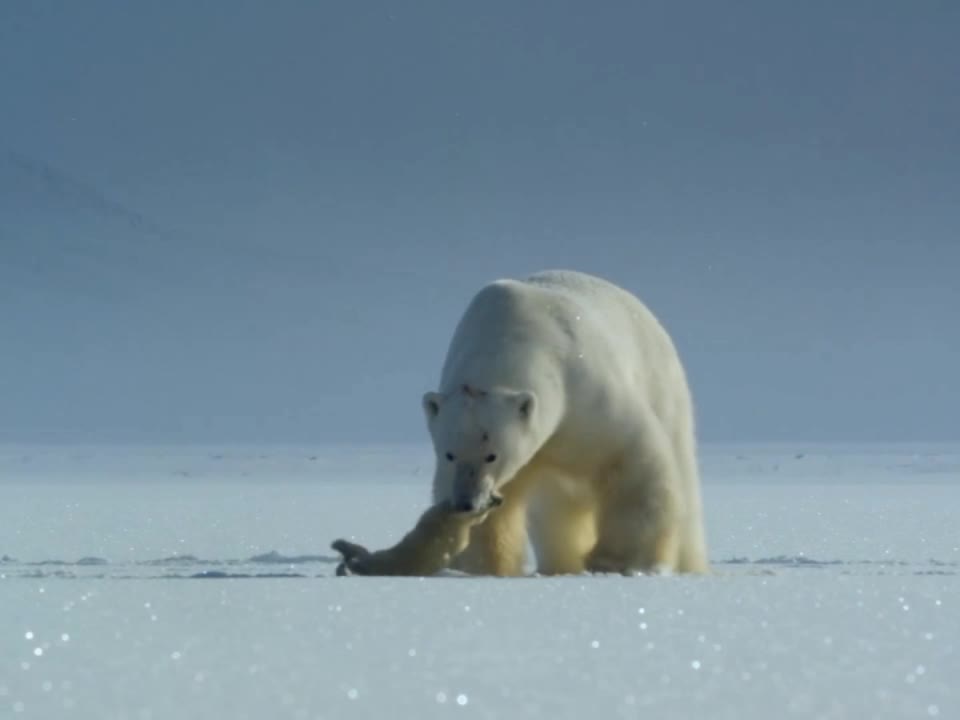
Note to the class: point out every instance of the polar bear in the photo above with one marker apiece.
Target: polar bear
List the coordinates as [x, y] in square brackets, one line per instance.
[564, 395]
[439, 536]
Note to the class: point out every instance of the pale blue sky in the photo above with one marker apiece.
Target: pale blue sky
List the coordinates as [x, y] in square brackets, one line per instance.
[321, 186]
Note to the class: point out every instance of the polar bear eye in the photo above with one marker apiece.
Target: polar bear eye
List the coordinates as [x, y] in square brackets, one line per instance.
[490, 458]
[450, 457]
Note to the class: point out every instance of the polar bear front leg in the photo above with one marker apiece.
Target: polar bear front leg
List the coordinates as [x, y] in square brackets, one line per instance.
[637, 522]
[562, 527]
[497, 547]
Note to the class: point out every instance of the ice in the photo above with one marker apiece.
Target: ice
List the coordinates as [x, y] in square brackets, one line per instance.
[835, 594]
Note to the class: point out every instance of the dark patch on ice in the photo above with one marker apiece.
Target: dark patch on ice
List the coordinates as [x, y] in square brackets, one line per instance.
[275, 558]
[796, 560]
[783, 560]
[177, 560]
[223, 575]
[82, 562]
[808, 562]
[268, 558]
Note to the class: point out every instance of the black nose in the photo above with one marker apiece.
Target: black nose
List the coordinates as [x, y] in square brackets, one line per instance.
[466, 506]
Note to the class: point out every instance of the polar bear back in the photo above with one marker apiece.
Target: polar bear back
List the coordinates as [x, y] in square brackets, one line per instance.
[572, 336]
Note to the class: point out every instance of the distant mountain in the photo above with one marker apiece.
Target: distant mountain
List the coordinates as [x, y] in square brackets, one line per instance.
[62, 236]
[30, 184]
[112, 324]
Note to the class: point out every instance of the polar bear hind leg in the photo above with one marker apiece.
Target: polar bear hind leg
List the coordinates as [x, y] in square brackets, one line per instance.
[693, 547]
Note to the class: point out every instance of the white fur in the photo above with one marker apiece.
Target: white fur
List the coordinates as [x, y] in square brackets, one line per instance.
[583, 400]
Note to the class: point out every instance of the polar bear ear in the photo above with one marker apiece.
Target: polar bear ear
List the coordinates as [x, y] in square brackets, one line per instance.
[431, 404]
[526, 401]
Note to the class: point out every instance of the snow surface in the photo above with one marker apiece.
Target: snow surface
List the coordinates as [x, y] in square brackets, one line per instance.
[836, 594]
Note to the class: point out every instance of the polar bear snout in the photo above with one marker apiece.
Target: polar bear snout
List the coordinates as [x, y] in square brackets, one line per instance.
[476, 501]
[472, 490]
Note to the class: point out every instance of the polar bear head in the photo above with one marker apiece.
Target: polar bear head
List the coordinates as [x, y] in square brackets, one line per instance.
[481, 439]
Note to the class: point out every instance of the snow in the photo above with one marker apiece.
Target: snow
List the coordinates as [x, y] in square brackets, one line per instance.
[835, 594]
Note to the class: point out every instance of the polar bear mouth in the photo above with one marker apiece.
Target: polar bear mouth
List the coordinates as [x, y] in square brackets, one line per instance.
[493, 501]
